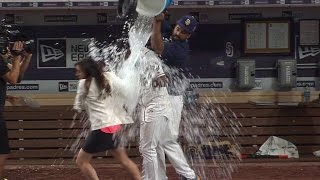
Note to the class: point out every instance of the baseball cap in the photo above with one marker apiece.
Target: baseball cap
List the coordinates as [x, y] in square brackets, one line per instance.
[188, 23]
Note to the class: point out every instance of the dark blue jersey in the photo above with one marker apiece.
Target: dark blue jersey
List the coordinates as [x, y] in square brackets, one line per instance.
[175, 55]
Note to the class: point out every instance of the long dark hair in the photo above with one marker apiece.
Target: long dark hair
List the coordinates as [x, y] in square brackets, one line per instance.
[94, 70]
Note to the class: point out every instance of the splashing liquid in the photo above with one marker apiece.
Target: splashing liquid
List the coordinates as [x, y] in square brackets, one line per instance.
[203, 125]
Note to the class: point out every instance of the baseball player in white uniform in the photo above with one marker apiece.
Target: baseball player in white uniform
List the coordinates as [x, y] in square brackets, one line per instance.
[154, 104]
[156, 132]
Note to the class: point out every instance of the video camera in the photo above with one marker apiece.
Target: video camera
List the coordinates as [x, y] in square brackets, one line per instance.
[9, 35]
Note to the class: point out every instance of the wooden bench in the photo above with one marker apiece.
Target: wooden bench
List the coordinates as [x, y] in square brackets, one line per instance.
[48, 132]
[298, 124]
[44, 133]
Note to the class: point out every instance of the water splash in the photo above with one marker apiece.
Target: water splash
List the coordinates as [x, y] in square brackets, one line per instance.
[211, 129]
[207, 127]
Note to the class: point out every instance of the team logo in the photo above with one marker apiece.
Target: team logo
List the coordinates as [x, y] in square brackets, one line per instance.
[52, 53]
[63, 86]
[187, 22]
[49, 53]
[229, 49]
[308, 51]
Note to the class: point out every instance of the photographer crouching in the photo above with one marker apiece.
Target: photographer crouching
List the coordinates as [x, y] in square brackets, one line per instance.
[14, 61]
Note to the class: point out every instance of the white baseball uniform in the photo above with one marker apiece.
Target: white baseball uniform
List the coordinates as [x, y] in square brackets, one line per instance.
[153, 102]
[158, 127]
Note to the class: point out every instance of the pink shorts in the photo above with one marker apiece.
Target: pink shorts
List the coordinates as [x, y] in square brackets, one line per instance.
[111, 129]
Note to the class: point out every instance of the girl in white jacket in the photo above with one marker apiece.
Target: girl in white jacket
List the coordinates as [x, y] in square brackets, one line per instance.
[102, 96]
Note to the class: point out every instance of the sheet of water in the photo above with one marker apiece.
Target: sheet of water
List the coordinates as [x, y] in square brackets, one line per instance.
[202, 123]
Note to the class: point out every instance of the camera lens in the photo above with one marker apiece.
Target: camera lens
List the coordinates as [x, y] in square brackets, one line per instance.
[28, 46]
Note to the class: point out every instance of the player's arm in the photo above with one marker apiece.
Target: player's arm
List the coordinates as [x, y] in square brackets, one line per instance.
[160, 80]
[157, 43]
[166, 49]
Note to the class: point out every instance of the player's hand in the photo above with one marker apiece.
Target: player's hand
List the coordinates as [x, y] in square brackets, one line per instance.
[159, 18]
[160, 81]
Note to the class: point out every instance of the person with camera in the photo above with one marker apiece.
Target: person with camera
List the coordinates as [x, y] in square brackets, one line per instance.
[13, 63]
[24, 64]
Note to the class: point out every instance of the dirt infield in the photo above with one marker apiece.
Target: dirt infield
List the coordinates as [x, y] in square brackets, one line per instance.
[268, 171]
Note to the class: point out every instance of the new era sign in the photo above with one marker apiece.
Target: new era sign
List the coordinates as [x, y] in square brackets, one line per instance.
[102, 18]
[49, 53]
[69, 86]
[63, 86]
[52, 53]
[61, 53]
